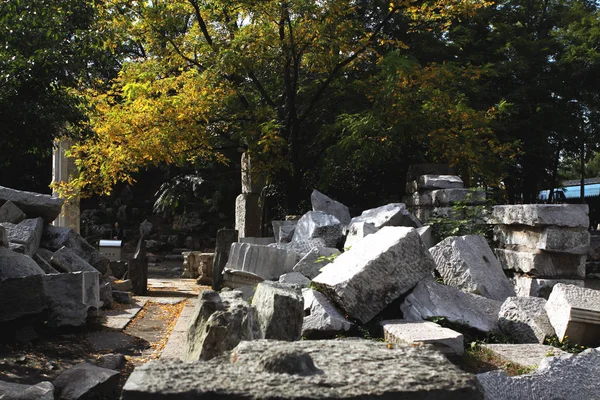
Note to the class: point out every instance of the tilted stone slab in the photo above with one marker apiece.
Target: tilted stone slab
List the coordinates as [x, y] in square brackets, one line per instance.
[468, 263]
[564, 215]
[426, 233]
[55, 237]
[314, 261]
[525, 319]
[66, 260]
[426, 332]
[431, 299]
[283, 230]
[15, 265]
[559, 240]
[527, 355]
[27, 232]
[294, 278]
[323, 203]
[393, 214]
[9, 212]
[317, 224]
[243, 281]
[44, 265]
[357, 231]
[268, 262]
[428, 182]
[17, 391]
[280, 310]
[539, 287]
[321, 318]
[33, 204]
[574, 311]
[87, 381]
[376, 271]
[70, 296]
[445, 197]
[306, 369]
[542, 264]
[563, 377]
[301, 247]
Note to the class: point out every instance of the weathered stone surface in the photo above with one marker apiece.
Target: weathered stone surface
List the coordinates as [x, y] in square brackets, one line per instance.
[137, 269]
[284, 230]
[268, 262]
[542, 264]
[70, 296]
[14, 265]
[262, 241]
[539, 287]
[219, 323]
[294, 278]
[252, 180]
[376, 271]
[86, 381]
[55, 237]
[9, 212]
[565, 215]
[564, 377]
[327, 205]
[316, 259]
[17, 391]
[225, 237]
[427, 182]
[243, 281]
[33, 204]
[3, 237]
[105, 291]
[357, 231]
[122, 285]
[307, 369]
[575, 312]
[445, 197]
[27, 233]
[417, 170]
[394, 214]
[66, 260]
[426, 233]
[525, 319]
[321, 318]
[560, 240]
[426, 332]
[280, 310]
[111, 361]
[431, 299]
[316, 224]
[528, 355]
[468, 263]
[247, 215]
[122, 297]
[301, 247]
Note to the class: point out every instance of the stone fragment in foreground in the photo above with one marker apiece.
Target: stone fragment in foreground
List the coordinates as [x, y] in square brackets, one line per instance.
[65, 260]
[317, 224]
[219, 323]
[357, 231]
[265, 261]
[9, 212]
[70, 296]
[294, 278]
[316, 259]
[17, 391]
[527, 355]
[33, 204]
[563, 215]
[540, 287]
[27, 233]
[431, 299]
[393, 214]
[321, 318]
[468, 263]
[243, 281]
[543, 264]
[3, 237]
[280, 310]
[323, 203]
[562, 377]
[525, 319]
[376, 271]
[426, 332]
[55, 237]
[559, 240]
[307, 369]
[283, 230]
[87, 381]
[574, 311]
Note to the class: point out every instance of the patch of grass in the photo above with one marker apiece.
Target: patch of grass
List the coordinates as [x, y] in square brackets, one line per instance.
[479, 359]
[564, 345]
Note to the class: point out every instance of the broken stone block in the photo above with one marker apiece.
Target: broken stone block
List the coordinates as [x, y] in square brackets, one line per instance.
[394, 214]
[33, 204]
[357, 231]
[417, 170]
[526, 355]
[426, 332]
[111, 361]
[563, 215]
[27, 233]
[468, 263]
[44, 265]
[559, 240]
[321, 318]
[294, 278]
[316, 224]
[301, 247]
[376, 271]
[539, 287]
[265, 261]
[65, 260]
[3, 237]
[327, 205]
[219, 323]
[284, 230]
[431, 299]
[55, 237]
[106, 297]
[428, 182]
[17, 391]
[562, 377]
[243, 281]
[9, 212]
[525, 319]
[122, 297]
[575, 312]
[123, 286]
[70, 296]
[316, 259]
[445, 197]
[225, 237]
[261, 241]
[137, 269]
[14, 265]
[542, 264]
[267, 369]
[247, 215]
[87, 381]
[280, 311]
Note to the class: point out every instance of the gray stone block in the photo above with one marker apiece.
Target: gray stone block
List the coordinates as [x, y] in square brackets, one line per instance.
[526, 355]
[283, 230]
[55, 237]
[542, 264]
[394, 214]
[9, 212]
[314, 261]
[428, 182]
[525, 319]
[417, 170]
[321, 318]
[66, 260]
[33, 204]
[262, 241]
[15, 265]
[87, 381]
[562, 215]
[243, 281]
[17, 391]
[265, 261]
[559, 240]
[357, 231]
[426, 233]
[247, 215]
[539, 287]
[376, 271]
[294, 278]
[446, 197]
[426, 332]
[280, 310]
[27, 233]
[122, 297]
[316, 224]
[225, 237]
[327, 205]
[70, 296]
[44, 265]
[3, 237]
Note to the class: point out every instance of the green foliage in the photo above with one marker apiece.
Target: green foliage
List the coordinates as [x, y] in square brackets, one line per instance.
[175, 194]
[328, 259]
[564, 345]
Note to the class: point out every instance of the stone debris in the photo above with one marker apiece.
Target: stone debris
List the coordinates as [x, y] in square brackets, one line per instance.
[417, 170]
[66, 260]
[225, 237]
[317, 224]
[314, 261]
[3, 237]
[284, 230]
[125, 285]
[306, 369]
[426, 233]
[111, 361]
[243, 281]
[219, 323]
[468, 263]
[9, 212]
[198, 265]
[265, 261]
[394, 214]
[543, 264]
[70, 296]
[357, 231]
[574, 312]
[563, 377]
[27, 233]
[321, 318]
[122, 297]
[327, 205]
[280, 310]
[33, 204]
[525, 319]
[526, 355]
[552, 239]
[294, 278]
[262, 241]
[431, 299]
[425, 332]
[44, 265]
[376, 271]
[439, 182]
[561, 215]
[539, 287]
[86, 381]
[17, 391]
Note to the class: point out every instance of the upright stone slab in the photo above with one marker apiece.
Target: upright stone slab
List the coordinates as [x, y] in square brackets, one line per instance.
[376, 271]
[247, 215]
[525, 319]
[27, 233]
[265, 261]
[3, 237]
[426, 332]
[70, 296]
[543, 264]
[327, 205]
[575, 312]
[552, 239]
[252, 180]
[316, 224]
[9, 212]
[225, 237]
[431, 299]
[137, 269]
[280, 311]
[321, 318]
[540, 287]
[428, 182]
[468, 263]
[33, 204]
[357, 231]
[563, 215]
[66, 260]
[394, 214]
[315, 260]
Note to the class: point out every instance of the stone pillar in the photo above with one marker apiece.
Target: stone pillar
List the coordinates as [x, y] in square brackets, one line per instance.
[62, 169]
[247, 209]
[225, 237]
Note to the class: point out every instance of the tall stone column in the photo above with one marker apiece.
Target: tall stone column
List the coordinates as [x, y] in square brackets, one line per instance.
[62, 169]
[247, 208]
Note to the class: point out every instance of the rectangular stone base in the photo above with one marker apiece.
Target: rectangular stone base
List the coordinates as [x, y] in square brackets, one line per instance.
[542, 264]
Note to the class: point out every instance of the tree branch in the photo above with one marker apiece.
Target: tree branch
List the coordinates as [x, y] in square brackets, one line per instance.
[201, 22]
